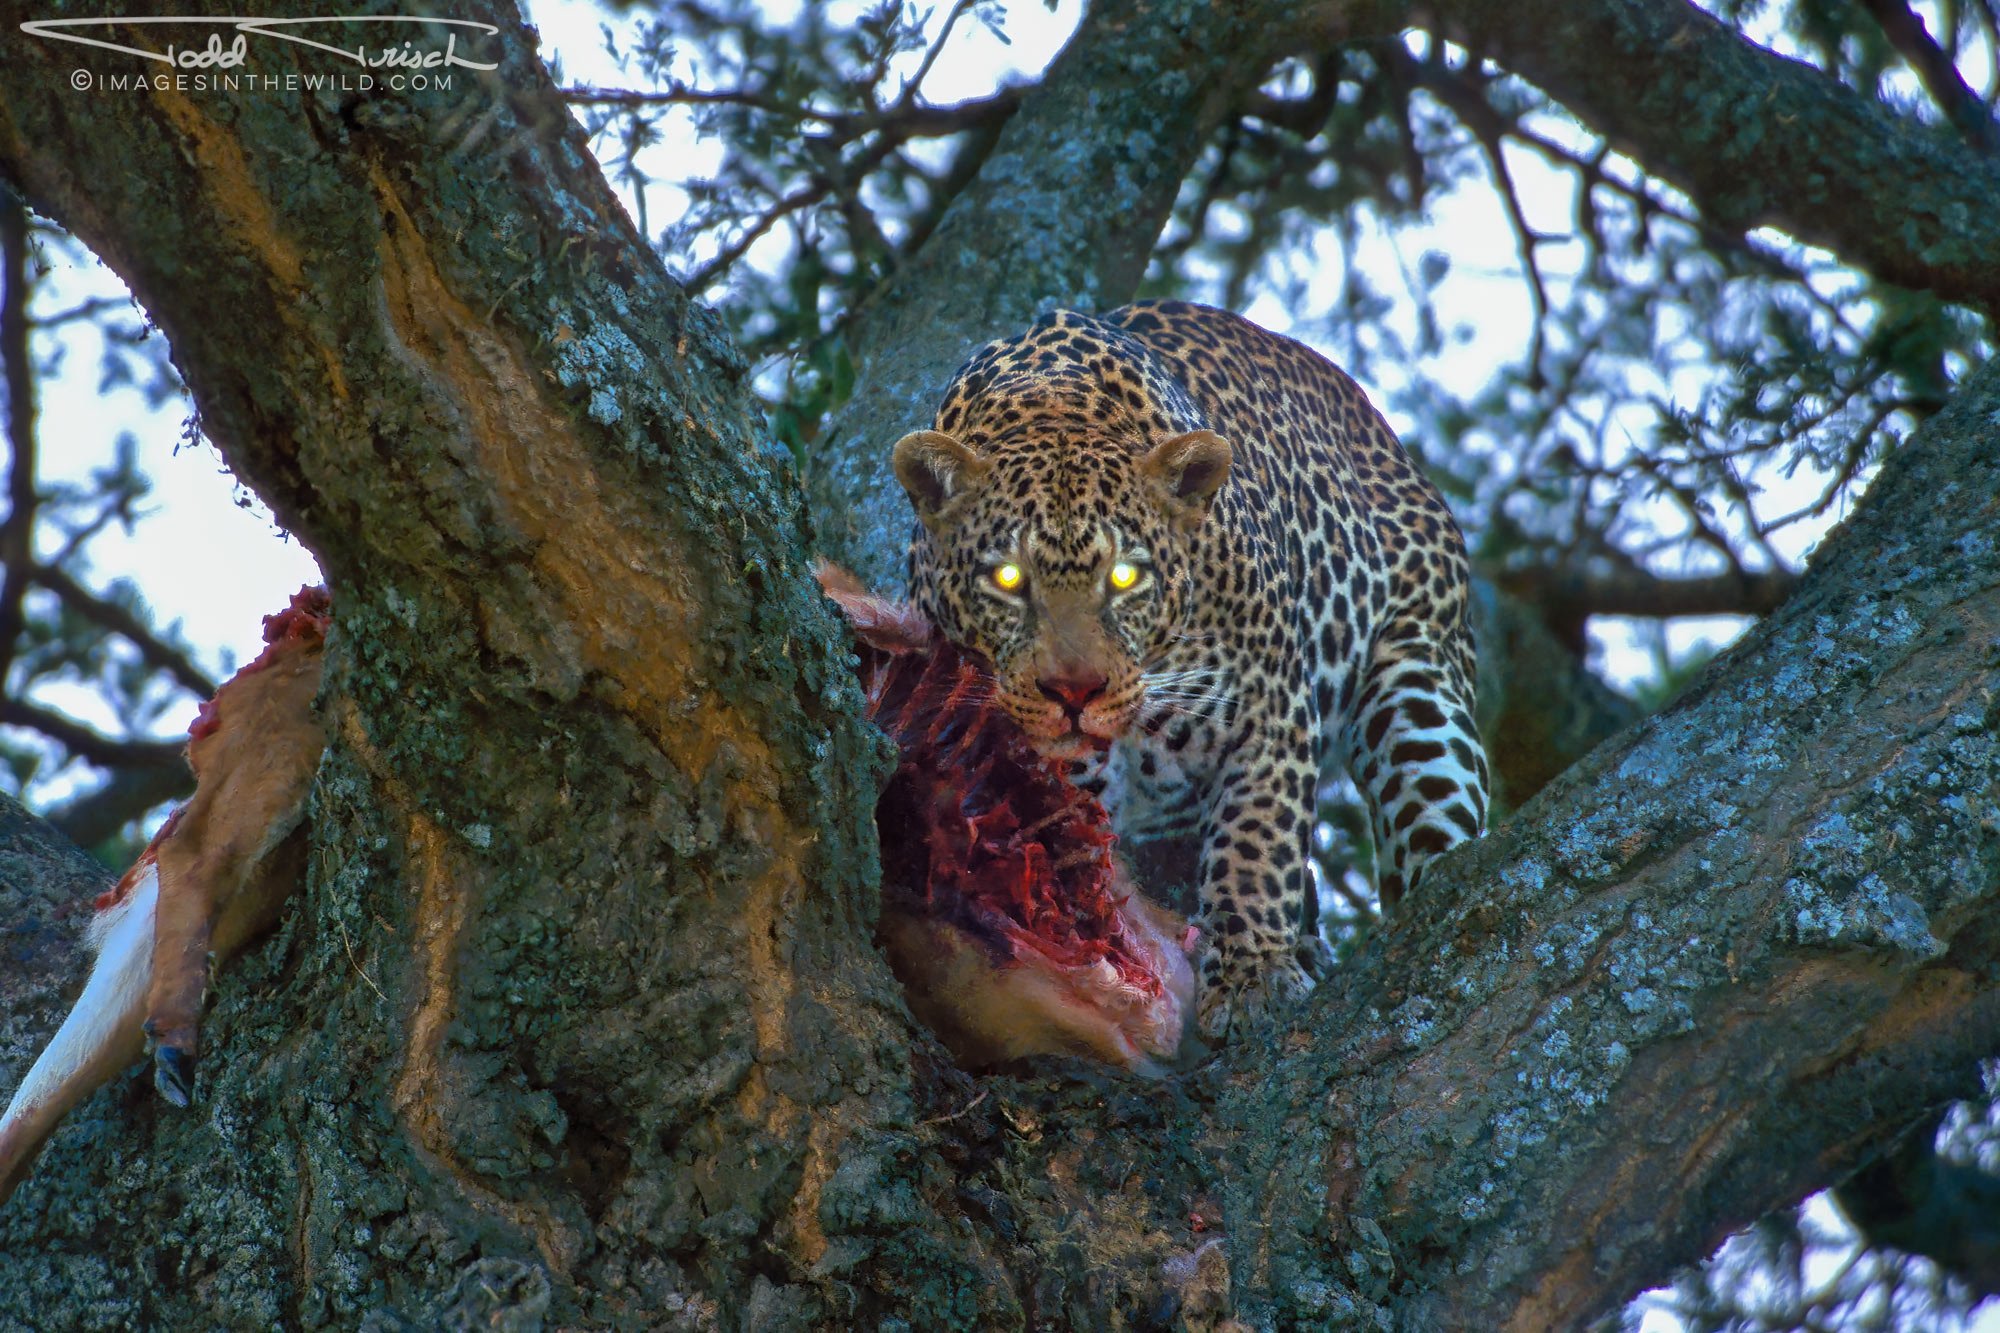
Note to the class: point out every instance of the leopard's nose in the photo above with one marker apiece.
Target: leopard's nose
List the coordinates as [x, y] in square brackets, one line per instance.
[1075, 691]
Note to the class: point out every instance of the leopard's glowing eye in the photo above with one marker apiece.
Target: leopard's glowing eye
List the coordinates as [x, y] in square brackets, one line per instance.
[1007, 577]
[1124, 575]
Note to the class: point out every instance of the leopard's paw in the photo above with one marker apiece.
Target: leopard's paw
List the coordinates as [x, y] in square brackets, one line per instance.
[1315, 955]
[1242, 989]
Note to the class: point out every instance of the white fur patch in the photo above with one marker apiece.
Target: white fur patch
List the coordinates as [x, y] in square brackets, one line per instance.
[113, 1003]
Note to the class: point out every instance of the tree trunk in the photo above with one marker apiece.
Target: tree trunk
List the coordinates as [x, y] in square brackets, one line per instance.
[584, 952]
[577, 1019]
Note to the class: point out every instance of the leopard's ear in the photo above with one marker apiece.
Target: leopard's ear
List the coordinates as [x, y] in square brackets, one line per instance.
[936, 470]
[1189, 469]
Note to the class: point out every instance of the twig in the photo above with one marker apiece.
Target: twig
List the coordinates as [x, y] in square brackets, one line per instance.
[1850, 463]
[1529, 241]
[17, 534]
[702, 278]
[87, 309]
[947, 1119]
[107, 614]
[1208, 195]
[909, 94]
[86, 743]
[1964, 108]
[355, 963]
[847, 172]
[904, 122]
[1304, 116]
[1568, 592]
[682, 95]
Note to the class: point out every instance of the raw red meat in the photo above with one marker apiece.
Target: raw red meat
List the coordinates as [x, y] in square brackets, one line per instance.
[1006, 912]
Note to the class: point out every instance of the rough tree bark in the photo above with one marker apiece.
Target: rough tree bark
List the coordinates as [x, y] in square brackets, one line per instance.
[578, 1020]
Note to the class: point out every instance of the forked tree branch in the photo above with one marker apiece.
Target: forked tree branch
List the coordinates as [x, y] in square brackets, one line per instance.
[1756, 139]
[1965, 109]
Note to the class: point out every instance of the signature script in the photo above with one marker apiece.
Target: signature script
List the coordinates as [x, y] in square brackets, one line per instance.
[215, 55]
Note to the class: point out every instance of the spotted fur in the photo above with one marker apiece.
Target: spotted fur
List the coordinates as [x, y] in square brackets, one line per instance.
[1299, 602]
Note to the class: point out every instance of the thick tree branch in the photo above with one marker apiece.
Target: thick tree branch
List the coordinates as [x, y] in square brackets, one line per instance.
[596, 747]
[1701, 975]
[1755, 138]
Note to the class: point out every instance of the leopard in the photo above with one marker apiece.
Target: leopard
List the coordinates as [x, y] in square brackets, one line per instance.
[1206, 574]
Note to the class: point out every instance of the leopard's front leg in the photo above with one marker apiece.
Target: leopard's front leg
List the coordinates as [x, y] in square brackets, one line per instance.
[1255, 873]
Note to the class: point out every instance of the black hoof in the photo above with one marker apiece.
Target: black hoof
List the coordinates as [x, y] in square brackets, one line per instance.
[173, 1075]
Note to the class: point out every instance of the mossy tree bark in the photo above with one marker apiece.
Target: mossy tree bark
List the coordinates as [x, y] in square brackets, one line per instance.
[577, 1018]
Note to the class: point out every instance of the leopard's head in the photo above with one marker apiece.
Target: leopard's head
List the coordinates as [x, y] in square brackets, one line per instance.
[1061, 551]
